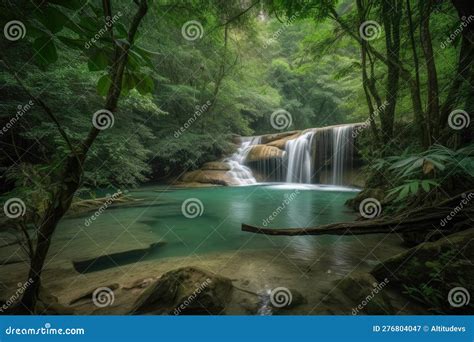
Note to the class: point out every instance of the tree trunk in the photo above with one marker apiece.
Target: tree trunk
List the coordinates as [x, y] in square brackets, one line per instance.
[424, 219]
[418, 119]
[432, 81]
[71, 176]
[61, 201]
[392, 11]
[366, 82]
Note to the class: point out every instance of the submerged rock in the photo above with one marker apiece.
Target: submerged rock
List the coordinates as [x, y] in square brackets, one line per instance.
[188, 290]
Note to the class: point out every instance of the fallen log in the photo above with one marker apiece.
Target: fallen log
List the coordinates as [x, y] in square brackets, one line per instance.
[423, 219]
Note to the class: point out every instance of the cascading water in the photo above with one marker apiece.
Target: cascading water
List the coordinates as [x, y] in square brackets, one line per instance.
[323, 155]
[299, 154]
[343, 153]
[241, 173]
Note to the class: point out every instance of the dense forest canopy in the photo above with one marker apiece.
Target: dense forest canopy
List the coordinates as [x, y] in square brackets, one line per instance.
[116, 93]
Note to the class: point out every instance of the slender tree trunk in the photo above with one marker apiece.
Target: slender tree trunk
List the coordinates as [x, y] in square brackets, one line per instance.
[365, 79]
[392, 11]
[418, 118]
[432, 81]
[71, 176]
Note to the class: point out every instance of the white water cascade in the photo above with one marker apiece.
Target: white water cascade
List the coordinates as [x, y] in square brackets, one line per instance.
[299, 154]
[241, 173]
[323, 156]
[343, 152]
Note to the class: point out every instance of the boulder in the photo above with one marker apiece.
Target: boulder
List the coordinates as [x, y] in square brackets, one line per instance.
[358, 294]
[263, 152]
[429, 271]
[223, 166]
[265, 139]
[187, 290]
[209, 176]
[280, 143]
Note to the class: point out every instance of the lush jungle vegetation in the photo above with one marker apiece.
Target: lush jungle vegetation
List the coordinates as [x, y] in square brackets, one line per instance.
[176, 93]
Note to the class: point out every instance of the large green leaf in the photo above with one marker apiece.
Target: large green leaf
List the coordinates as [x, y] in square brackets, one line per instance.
[98, 61]
[52, 18]
[145, 84]
[103, 85]
[72, 43]
[45, 50]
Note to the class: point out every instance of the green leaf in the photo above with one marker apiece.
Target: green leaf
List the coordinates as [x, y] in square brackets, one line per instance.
[98, 61]
[72, 43]
[414, 187]
[89, 24]
[103, 85]
[45, 50]
[71, 4]
[403, 193]
[53, 19]
[425, 185]
[145, 85]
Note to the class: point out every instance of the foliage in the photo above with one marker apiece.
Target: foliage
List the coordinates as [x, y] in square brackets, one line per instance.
[435, 168]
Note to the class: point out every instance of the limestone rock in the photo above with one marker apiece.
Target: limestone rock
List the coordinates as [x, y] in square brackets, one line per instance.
[263, 152]
[209, 176]
[280, 143]
[223, 166]
[272, 137]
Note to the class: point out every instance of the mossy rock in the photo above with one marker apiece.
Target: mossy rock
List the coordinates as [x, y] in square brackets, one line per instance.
[187, 290]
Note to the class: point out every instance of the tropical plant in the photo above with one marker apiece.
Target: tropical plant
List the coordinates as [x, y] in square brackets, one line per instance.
[429, 170]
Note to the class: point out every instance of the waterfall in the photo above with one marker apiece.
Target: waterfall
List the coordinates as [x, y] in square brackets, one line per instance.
[299, 154]
[241, 173]
[323, 155]
[343, 153]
